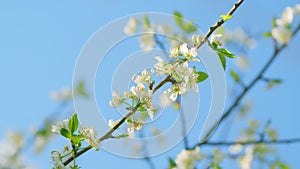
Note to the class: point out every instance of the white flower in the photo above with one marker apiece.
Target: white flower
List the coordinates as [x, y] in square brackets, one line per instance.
[145, 76]
[197, 39]
[63, 94]
[281, 34]
[146, 41]
[164, 29]
[174, 52]
[164, 100]
[297, 9]
[286, 17]
[173, 92]
[190, 54]
[150, 110]
[235, 149]
[132, 126]
[90, 135]
[217, 38]
[190, 80]
[245, 161]
[40, 142]
[161, 67]
[56, 160]
[242, 62]
[117, 100]
[186, 158]
[10, 155]
[59, 125]
[130, 28]
[112, 123]
[8, 150]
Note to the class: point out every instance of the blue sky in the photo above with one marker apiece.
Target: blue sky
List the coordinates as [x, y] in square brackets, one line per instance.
[40, 42]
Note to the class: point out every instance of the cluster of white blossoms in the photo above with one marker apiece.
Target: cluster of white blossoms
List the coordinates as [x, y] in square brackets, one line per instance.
[59, 125]
[184, 77]
[57, 160]
[130, 28]
[245, 161]
[139, 97]
[148, 39]
[186, 158]
[90, 136]
[10, 147]
[138, 94]
[238, 36]
[282, 32]
[87, 134]
[217, 38]
[63, 94]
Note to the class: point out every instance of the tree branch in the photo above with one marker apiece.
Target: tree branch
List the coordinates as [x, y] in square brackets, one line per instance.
[247, 88]
[219, 23]
[224, 143]
[107, 135]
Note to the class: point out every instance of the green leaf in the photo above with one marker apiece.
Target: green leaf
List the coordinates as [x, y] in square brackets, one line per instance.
[81, 89]
[267, 34]
[274, 22]
[76, 139]
[186, 27]
[214, 45]
[201, 76]
[273, 82]
[223, 60]
[284, 166]
[172, 163]
[73, 123]
[146, 21]
[217, 166]
[189, 27]
[235, 76]
[75, 167]
[66, 133]
[226, 52]
[178, 18]
[225, 17]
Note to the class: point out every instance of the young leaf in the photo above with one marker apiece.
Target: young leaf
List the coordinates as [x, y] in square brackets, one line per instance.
[223, 60]
[226, 52]
[273, 82]
[76, 139]
[267, 34]
[214, 45]
[188, 27]
[201, 76]
[235, 76]
[73, 123]
[172, 163]
[216, 166]
[274, 24]
[66, 133]
[226, 17]
[146, 21]
[81, 90]
[178, 18]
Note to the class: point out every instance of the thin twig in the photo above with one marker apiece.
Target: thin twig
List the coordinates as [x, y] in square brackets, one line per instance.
[145, 152]
[229, 143]
[250, 86]
[219, 23]
[183, 123]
